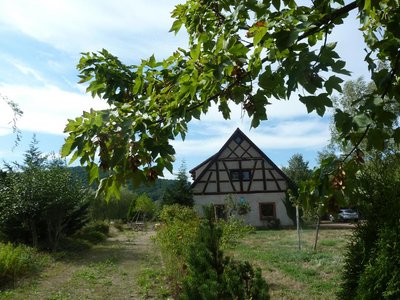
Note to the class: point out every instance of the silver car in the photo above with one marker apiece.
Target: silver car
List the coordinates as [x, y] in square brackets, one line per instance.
[348, 214]
[345, 214]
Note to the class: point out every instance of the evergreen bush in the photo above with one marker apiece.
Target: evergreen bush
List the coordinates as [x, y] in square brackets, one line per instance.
[211, 275]
[372, 262]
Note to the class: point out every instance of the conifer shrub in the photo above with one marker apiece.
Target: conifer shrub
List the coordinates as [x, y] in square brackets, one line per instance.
[211, 275]
[372, 262]
[381, 277]
[194, 262]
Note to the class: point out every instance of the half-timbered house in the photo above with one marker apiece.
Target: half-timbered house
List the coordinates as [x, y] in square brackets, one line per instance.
[242, 171]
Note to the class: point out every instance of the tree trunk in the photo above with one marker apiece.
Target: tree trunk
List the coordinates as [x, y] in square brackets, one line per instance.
[32, 225]
[316, 233]
[298, 226]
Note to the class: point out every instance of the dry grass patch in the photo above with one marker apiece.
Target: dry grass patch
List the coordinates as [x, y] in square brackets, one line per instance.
[110, 270]
[294, 274]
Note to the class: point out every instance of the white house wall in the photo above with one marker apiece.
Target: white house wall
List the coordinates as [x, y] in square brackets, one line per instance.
[253, 217]
[217, 177]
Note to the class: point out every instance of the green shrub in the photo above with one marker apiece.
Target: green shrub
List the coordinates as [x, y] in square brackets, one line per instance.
[177, 212]
[98, 226]
[93, 237]
[233, 229]
[372, 262]
[94, 232]
[194, 262]
[381, 277]
[18, 261]
[174, 238]
[70, 244]
[241, 281]
[211, 275]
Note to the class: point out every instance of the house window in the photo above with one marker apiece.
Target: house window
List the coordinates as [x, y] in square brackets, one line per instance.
[267, 211]
[238, 140]
[244, 175]
[235, 175]
[219, 212]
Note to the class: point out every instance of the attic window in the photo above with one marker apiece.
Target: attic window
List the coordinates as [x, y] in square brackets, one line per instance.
[238, 140]
[237, 175]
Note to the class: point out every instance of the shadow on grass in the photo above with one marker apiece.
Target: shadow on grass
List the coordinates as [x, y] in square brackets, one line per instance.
[115, 250]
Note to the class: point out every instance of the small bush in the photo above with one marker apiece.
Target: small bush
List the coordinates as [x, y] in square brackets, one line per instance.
[372, 263]
[74, 244]
[18, 261]
[176, 212]
[233, 229]
[93, 237]
[99, 226]
[175, 237]
[211, 275]
[94, 233]
[241, 281]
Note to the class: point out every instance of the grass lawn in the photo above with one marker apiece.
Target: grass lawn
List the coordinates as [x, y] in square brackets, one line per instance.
[127, 266]
[110, 270]
[293, 273]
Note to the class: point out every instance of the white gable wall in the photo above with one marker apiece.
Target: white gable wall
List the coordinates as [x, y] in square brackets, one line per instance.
[253, 217]
[242, 170]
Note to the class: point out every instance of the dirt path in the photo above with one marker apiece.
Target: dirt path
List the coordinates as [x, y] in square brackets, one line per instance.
[108, 271]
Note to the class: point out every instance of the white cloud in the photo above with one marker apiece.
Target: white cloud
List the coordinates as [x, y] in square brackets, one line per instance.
[30, 72]
[208, 138]
[46, 109]
[75, 26]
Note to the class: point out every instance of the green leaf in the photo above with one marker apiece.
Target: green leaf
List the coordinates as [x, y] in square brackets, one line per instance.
[362, 120]
[93, 173]
[259, 34]
[375, 139]
[317, 103]
[176, 26]
[367, 5]
[396, 136]
[343, 121]
[238, 50]
[333, 83]
[195, 51]
[277, 4]
[338, 67]
[286, 38]
[67, 147]
[152, 63]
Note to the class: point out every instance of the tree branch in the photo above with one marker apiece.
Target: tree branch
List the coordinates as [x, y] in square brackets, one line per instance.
[358, 143]
[327, 19]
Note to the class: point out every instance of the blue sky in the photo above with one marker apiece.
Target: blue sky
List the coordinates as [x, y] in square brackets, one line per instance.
[40, 45]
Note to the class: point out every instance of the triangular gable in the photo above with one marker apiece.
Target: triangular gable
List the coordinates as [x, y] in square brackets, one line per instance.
[229, 169]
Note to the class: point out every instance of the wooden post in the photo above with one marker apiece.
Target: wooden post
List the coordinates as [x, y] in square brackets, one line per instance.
[298, 226]
[316, 233]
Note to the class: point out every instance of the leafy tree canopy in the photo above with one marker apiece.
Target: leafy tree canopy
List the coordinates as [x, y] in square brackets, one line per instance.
[297, 169]
[243, 52]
